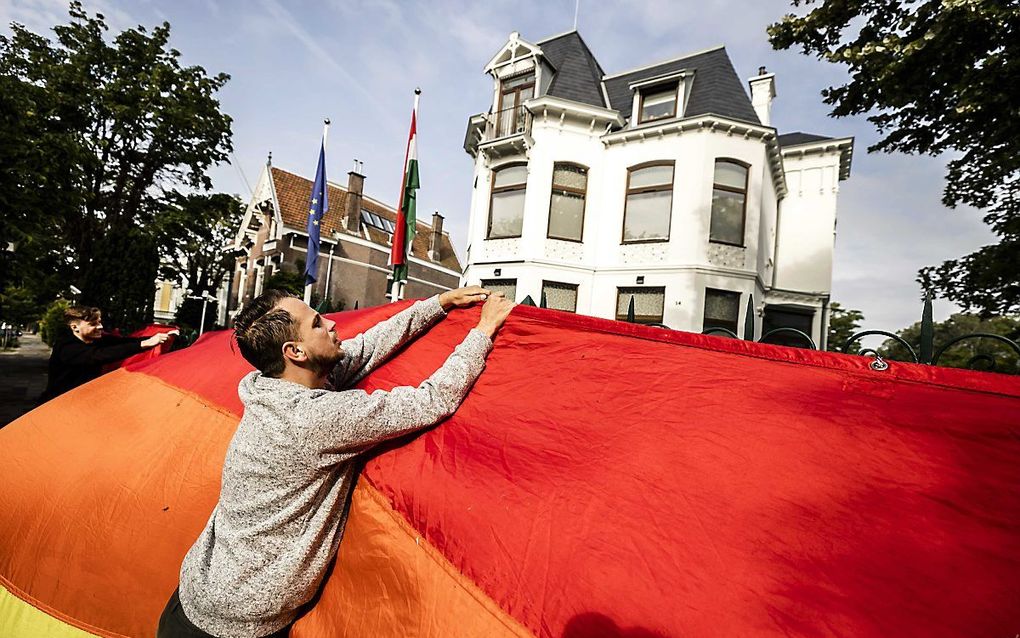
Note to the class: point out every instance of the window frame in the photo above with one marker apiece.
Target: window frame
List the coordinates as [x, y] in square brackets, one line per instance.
[584, 198]
[644, 90]
[501, 280]
[786, 339]
[565, 284]
[627, 192]
[523, 186]
[704, 308]
[662, 289]
[731, 189]
[516, 92]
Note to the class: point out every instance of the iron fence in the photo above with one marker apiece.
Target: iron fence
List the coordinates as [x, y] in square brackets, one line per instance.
[925, 354]
[507, 122]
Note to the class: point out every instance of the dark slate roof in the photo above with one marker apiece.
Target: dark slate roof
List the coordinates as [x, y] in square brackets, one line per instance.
[798, 138]
[716, 88]
[578, 73]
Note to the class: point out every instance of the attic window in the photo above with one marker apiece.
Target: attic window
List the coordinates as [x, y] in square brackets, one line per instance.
[377, 221]
[658, 102]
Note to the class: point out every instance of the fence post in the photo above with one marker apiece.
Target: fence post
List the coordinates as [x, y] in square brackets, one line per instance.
[749, 319]
[927, 332]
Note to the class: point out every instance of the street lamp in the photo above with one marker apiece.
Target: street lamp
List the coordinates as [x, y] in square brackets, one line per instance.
[206, 298]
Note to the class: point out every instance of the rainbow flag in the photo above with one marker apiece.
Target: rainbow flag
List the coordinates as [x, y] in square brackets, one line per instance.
[602, 479]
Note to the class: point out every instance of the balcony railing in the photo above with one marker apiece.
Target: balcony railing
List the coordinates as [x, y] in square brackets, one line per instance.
[512, 121]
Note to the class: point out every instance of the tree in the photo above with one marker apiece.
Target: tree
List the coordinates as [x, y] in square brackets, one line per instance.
[110, 129]
[292, 282]
[963, 354]
[843, 324]
[193, 232]
[20, 306]
[937, 77]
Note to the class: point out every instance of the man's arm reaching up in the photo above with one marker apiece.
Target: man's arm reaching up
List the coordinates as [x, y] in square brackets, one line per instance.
[351, 421]
[366, 351]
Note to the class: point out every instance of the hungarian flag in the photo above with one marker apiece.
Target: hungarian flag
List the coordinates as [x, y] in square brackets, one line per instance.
[403, 234]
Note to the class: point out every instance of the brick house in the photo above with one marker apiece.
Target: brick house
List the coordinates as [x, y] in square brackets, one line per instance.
[354, 247]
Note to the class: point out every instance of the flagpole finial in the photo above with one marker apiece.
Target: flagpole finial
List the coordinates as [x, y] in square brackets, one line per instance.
[326, 121]
[417, 90]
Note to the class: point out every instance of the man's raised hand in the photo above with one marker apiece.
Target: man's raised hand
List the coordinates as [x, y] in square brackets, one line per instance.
[494, 313]
[462, 297]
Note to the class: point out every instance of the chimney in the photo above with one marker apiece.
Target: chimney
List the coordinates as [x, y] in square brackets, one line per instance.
[763, 89]
[436, 240]
[355, 191]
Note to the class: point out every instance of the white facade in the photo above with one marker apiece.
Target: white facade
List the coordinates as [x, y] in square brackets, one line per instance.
[789, 210]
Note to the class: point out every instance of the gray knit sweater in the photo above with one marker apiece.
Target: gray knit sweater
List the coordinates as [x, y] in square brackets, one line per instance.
[290, 469]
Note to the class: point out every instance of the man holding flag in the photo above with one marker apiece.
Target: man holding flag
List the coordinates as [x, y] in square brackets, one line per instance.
[403, 234]
[316, 209]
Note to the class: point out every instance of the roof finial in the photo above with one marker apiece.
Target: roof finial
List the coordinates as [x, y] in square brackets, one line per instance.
[577, 6]
[761, 70]
[269, 160]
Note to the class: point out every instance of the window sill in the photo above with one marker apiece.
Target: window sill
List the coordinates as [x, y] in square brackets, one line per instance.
[644, 241]
[507, 237]
[572, 241]
[726, 243]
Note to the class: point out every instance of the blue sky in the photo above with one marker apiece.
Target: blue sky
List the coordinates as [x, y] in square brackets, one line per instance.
[294, 63]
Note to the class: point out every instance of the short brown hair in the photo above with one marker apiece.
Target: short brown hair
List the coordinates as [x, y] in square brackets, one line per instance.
[88, 314]
[261, 329]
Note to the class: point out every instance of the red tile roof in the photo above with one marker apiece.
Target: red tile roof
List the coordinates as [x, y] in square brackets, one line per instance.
[293, 193]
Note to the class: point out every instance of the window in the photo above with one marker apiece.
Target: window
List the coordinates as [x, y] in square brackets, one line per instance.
[506, 205]
[377, 221]
[648, 304]
[506, 286]
[560, 296]
[721, 310]
[729, 201]
[510, 118]
[658, 103]
[646, 211]
[788, 317]
[566, 207]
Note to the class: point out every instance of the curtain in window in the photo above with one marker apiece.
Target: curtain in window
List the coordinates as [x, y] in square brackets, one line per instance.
[560, 296]
[566, 208]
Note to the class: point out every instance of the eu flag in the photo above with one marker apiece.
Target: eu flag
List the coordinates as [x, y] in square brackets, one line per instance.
[316, 209]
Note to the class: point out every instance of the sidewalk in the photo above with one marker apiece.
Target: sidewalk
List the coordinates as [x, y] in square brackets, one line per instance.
[22, 377]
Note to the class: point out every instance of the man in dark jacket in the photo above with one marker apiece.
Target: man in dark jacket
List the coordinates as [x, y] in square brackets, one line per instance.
[79, 356]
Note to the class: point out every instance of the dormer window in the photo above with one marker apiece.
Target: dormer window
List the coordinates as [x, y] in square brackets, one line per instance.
[658, 102]
[513, 92]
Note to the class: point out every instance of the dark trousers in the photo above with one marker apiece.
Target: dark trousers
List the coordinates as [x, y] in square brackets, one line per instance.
[174, 624]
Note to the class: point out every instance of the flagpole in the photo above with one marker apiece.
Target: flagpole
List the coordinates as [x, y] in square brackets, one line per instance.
[397, 289]
[407, 249]
[325, 134]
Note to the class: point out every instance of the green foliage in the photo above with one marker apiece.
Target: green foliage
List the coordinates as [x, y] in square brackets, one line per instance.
[189, 315]
[52, 324]
[292, 282]
[936, 77]
[192, 232]
[94, 133]
[961, 354]
[987, 280]
[843, 324]
[19, 306]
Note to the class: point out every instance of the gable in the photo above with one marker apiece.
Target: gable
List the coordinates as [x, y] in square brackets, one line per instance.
[716, 88]
[293, 193]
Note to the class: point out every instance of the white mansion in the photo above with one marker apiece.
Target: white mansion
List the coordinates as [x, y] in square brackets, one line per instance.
[663, 183]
